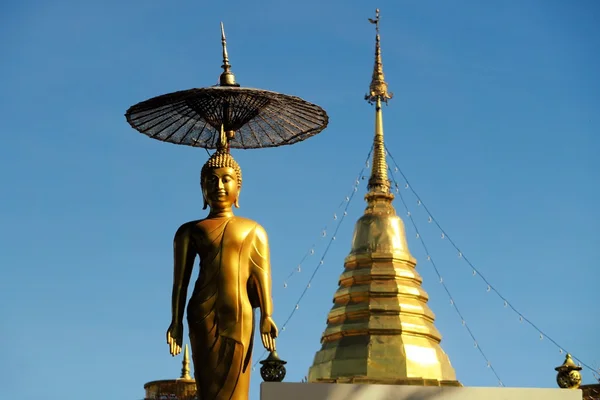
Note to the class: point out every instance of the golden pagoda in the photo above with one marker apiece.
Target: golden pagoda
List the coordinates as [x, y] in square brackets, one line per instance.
[183, 388]
[380, 329]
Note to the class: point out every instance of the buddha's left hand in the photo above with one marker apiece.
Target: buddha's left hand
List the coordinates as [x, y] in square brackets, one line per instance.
[268, 333]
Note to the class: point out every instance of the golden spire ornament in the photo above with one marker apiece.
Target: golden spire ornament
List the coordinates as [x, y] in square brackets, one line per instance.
[380, 329]
[568, 375]
[185, 364]
[227, 78]
[378, 89]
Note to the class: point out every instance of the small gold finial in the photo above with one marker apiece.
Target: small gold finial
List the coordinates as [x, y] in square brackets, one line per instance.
[568, 376]
[378, 88]
[185, 370]
[227, 78]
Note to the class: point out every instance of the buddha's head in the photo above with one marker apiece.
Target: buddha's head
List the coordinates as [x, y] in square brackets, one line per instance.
[221, 180]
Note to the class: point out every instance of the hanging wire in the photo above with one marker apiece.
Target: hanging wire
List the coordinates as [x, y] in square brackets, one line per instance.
[322, 259]
[435, 268]
[311, 250]
[298, 267]
[477, 272]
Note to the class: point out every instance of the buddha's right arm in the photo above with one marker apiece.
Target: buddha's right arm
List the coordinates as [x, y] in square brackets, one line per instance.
[183, 264]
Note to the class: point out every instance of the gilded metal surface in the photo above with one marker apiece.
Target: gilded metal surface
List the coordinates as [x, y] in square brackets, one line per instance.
[378, 88]
[380, 329]
[568, 376]
[185, 368]
[234, 279]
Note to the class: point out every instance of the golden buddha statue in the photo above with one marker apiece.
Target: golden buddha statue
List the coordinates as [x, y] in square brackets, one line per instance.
[234, 279]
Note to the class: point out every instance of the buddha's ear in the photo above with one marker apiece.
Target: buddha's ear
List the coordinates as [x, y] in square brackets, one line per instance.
[236, 203]
[203, 194]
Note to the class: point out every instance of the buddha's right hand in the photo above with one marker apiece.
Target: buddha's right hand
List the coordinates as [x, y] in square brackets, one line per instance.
[175, 338]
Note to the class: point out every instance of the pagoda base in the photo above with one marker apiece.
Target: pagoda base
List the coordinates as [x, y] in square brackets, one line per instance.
[365, 391]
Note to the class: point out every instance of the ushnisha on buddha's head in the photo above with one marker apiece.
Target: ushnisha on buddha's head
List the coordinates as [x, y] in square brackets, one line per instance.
[221, 178]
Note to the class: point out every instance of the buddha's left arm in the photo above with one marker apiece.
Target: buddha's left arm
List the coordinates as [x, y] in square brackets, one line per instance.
[260, 271]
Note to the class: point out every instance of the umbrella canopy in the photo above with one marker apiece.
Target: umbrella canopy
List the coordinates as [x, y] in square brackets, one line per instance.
[252, 118]
[259, 118]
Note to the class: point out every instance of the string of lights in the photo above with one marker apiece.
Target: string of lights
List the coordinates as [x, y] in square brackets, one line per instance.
[347, 200]
[476, 272]
[311, 251]
[441, 280]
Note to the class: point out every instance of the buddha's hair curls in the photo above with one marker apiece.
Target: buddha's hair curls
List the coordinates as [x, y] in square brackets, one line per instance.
[221, 159]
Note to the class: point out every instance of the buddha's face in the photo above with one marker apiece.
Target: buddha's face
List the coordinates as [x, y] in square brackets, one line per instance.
[220, 188]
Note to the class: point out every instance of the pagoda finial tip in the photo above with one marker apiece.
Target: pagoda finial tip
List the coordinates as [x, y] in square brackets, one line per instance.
[378, 88]
[185, 370]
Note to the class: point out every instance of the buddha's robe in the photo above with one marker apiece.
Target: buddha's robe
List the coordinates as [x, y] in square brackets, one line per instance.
[234, 269]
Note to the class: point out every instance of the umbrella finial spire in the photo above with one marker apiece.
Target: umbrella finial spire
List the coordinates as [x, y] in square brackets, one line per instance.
[227, 78]
[223, 143]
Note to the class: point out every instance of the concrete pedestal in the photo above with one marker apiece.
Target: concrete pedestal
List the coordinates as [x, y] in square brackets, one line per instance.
[332, 391]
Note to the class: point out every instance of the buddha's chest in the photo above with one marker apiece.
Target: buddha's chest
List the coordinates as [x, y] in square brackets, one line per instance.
[219, 241]
[223, 249]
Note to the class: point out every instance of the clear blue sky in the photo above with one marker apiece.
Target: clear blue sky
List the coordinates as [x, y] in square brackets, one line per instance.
[495, 121]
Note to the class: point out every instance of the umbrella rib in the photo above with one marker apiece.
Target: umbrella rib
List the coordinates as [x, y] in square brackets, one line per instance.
[270, 126]
[148, 112]
[300, 119]
[151, 128]
[243, 109]
[248, 108]
[188, 132]
[196, 141]
[258, 142]
[165, 99]
[255, 105]
[168, 114]
[242, 141]
[155, 114]
[306, 111]
[175, 130]
[179, 127]
[266, 131]
[215, 140]
[289, 121]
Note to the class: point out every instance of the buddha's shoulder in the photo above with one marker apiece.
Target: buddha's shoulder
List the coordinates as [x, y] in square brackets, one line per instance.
[188, 228]
[242, 224]
[247, 223]
[249, 226]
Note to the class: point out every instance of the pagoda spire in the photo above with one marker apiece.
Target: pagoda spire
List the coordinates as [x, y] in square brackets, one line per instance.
[378, 88]
[379, 183]
[380, 329]
[185, 364]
